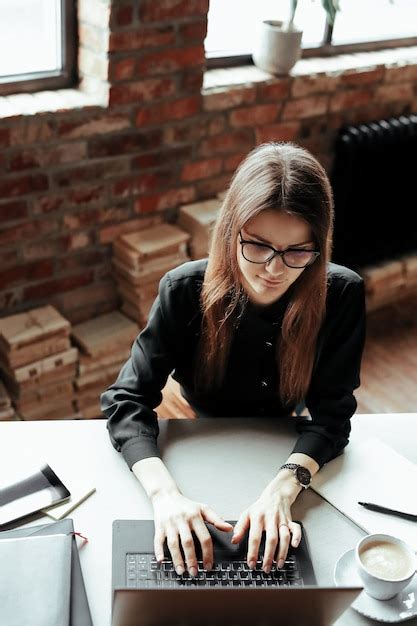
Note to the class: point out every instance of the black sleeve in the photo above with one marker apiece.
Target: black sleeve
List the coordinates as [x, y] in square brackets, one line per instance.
[336, 375]
[128, 404]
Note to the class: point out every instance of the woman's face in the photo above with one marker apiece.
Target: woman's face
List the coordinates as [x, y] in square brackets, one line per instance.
[265, 283]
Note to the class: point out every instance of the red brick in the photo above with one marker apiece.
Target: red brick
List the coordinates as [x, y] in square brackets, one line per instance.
[211, 187]
[190, 81]
[201, 169]
[12, 211]
[171, 60]
[187, 132]
[27, 230]
[110, 233]
[162, 157]
[83, 196]
[24, 273]
[398, 91]
[122, 188]
[153, 181]
[151, 11]
[193, 31]
[174, 110]
[42, 249]
[162, 201]
[93, 124]
[351, 99]
[143, 91]
[118, 213]
[226, 98]
[96, 171]
[47, 204]
[29, 132]
[124, 144]
[122, 16]
[157, 36]
[255, 115]
[305, 107]
[19, 186]
[286, 131]
[43, 290]
[306, 85]
[8, 258]
[79, 260]
[80, 219]
[75, 241]
[236, 140]
[401, 74]
[362, 76]
[231, 162]
[4, 137]
[278, 90]
[123, 69]
[64, 153]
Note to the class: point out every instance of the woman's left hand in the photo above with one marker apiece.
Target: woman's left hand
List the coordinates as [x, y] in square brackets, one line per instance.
[270, 513]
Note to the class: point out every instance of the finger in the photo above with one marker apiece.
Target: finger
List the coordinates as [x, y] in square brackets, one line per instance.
[254, 541]
[158, 545]
[241, 527]
[271, 543]
[213, 518]
[206, 543]
[284, 542]
[174, 548]
[188, 546]
[296, 533]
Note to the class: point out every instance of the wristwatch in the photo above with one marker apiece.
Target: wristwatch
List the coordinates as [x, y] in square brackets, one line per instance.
[302, 474]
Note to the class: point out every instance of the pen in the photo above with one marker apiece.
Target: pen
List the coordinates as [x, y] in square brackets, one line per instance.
[383, 509]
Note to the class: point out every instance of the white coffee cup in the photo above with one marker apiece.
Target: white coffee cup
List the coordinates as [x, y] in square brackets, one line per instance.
[385, 564]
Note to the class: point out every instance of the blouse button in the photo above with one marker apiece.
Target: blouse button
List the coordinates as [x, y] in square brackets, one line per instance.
[268, 344]
[264, 384]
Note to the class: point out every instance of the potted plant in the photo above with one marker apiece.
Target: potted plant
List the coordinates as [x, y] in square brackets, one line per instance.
[278, 47]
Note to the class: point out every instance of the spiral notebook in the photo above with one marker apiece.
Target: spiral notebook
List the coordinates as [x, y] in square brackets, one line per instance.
[371, 471]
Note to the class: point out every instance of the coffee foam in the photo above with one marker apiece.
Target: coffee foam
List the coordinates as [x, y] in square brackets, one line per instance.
[386, 560]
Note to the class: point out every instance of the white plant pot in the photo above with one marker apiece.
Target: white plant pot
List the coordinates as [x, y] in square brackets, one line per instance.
[276, 51]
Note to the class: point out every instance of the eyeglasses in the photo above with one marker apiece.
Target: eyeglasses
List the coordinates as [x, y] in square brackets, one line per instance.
[296, 258]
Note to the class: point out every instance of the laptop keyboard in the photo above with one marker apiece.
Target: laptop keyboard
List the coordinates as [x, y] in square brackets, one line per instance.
[143, 570]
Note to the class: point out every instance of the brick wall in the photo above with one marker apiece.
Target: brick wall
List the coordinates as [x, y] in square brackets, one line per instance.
[74, 174]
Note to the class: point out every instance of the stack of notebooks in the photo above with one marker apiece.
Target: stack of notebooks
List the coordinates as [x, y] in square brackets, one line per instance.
[38, 363]
[105, 344]
[141, 259]
[6, 408]
[198, 219]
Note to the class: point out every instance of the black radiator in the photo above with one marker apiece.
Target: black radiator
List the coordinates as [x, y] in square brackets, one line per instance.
[374, 181]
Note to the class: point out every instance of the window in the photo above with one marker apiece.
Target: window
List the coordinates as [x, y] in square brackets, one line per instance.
[359, 25]
[37, 45]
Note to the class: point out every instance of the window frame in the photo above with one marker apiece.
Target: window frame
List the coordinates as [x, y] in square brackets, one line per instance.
[67, 76]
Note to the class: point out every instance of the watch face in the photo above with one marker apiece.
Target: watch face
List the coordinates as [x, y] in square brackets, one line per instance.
[303, 475]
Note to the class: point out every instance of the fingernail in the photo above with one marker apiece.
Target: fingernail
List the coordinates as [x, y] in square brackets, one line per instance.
[208, 566]
[252, 564]
[193, 572]
[280, 564]
[267, 569]
[180, 570]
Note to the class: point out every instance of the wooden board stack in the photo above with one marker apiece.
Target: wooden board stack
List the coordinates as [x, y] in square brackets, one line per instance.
[105, 344]
[198, 219]
[6, 409]
[140, 260]
[38, 363]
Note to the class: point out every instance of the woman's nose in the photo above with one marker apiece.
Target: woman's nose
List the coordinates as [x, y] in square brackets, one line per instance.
[276, 265]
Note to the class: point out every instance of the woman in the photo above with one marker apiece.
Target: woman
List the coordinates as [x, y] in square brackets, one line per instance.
[267, 322]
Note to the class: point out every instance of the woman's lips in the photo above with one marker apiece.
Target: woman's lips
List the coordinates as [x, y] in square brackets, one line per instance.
[271, 283]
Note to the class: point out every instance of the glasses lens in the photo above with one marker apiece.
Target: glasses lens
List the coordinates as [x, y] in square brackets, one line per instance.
[256, 252]
[298, 258]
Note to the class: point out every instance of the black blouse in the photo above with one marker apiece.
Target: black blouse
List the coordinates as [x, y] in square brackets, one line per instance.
[168, 345]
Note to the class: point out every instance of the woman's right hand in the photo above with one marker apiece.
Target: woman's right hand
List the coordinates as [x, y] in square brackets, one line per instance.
[175, 518]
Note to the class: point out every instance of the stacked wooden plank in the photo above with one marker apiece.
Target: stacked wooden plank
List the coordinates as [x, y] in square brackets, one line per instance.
[38, 363]
[6, 408]
[198, 219]
[105, 344]
[390, 281]
[141, 259]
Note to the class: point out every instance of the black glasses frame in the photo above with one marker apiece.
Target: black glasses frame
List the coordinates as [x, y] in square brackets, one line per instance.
[275, 252]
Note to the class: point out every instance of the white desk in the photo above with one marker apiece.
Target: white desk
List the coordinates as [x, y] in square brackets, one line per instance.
[228, 481]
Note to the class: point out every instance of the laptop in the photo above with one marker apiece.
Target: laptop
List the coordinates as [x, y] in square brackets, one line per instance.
[146, 593]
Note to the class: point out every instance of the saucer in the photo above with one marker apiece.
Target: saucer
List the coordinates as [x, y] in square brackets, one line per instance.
[398, 609]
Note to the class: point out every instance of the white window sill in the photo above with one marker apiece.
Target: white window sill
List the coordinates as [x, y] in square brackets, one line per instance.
[17, 105]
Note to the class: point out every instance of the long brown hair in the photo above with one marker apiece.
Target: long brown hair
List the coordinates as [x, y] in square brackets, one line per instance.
[284, 177]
